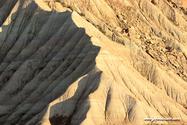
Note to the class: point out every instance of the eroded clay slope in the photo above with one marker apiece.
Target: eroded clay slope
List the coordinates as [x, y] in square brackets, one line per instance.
[158, 27]
[56, 68]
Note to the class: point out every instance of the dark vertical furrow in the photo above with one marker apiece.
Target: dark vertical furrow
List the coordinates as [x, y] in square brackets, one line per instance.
[5, 9]
[62, 56]
[43, 51]
[9, 25]
[41, 55]
[58, 89]
[25, 38]
[51, 26]
[25, 72]
[89, 79]
[73, 43]
[22, 20]
[47, 71]
[70, 63]
[63, 76]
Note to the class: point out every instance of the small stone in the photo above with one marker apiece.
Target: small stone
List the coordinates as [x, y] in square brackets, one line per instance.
[125, 21]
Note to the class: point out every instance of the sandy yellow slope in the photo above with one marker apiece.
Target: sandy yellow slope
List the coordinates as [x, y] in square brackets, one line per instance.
[57, 69]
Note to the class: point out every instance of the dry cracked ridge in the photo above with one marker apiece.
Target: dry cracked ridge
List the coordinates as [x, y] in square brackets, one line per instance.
[57, 69]
[153, 25]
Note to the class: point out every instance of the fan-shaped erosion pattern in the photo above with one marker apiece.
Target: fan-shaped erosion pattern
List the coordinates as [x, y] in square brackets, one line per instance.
[58, 69]
[42, 53]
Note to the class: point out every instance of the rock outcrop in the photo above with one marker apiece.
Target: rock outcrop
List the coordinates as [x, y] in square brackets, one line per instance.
[56, 68]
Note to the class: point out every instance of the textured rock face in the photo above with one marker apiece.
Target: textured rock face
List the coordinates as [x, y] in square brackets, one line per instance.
[181, 2]
[154, 25]
[56, 68]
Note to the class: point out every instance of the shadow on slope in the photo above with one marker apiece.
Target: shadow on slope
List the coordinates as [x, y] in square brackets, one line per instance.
[63, 50]
[21, 30]
[77, 106]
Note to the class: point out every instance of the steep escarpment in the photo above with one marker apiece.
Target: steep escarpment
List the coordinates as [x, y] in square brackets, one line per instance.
[56, 68]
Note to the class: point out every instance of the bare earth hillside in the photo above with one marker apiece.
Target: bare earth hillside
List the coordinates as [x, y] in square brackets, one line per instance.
[93, 62]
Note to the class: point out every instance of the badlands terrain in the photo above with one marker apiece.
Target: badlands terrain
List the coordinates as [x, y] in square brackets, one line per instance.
[93, 62]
